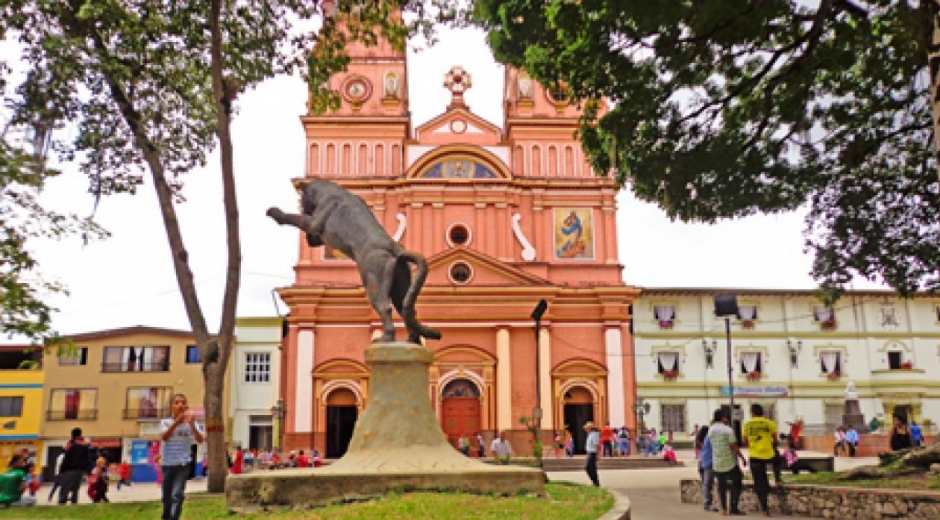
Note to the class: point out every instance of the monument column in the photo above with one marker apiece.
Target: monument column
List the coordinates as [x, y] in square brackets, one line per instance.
[615, 386]
[503, 379]
[545, 377]
[303, 387]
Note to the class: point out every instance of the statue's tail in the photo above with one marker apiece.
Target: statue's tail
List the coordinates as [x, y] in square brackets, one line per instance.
[409, 315]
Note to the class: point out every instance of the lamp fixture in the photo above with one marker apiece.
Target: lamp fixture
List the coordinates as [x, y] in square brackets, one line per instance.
[709, 349]
[794, 348]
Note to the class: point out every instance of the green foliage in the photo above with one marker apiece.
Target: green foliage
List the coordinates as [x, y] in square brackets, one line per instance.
[725, 108]
[23, 311]
[538, 448]
[114, 89]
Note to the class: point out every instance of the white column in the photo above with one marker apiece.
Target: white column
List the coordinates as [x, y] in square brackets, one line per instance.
[303, 415]
[615, 389]
[545, 379]
[503, 381]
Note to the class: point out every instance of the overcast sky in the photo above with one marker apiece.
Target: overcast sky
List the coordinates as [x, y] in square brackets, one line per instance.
[128, 279]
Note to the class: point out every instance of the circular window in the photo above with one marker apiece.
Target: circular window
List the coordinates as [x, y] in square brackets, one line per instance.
[458, 235]
[460, 273]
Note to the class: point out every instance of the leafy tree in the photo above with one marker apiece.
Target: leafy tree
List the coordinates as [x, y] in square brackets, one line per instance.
[149, 87]
[723, 108]
[22, 310]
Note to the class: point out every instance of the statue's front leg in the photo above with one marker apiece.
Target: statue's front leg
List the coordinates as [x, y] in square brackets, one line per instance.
[303, 222]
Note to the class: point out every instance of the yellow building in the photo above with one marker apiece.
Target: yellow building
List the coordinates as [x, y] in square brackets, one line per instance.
[116, 386]
[20, 398]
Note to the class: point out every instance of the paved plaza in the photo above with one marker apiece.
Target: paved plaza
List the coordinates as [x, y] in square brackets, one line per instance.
[653, 493]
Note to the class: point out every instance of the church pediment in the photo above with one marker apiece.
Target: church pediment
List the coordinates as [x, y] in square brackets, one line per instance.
[464, 266]
[458, 125]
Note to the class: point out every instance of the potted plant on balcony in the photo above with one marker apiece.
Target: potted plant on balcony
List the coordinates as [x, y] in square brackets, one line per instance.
[670, 375]
[907, 365]
[828, 324]
[747, 324]
[754, 375]
[665, 324]
[834, 376]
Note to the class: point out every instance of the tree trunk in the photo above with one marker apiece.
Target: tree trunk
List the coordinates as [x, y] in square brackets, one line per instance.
[223, 96]
[214, 376]
[214, 350]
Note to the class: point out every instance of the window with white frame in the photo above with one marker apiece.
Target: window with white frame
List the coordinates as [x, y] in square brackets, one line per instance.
[751, 362]
[673, 418]
[257, 367]
[830, 361]
[665, 315]
[747, 312]
[667, 362]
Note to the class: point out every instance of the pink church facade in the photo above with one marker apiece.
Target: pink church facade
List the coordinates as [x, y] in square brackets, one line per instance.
[506, 217]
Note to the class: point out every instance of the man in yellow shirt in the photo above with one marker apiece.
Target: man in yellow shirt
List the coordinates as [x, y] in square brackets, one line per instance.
[761, 436]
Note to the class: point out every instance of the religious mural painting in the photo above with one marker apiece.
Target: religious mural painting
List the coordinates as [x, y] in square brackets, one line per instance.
[458, 169]
[574, 234]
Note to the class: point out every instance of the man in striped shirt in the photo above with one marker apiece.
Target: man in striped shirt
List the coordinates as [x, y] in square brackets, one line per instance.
[725, 456]
[178, 434]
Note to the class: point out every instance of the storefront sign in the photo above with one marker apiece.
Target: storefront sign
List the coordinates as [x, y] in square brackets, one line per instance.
[139, 451]
[106, 442]
[756, 391]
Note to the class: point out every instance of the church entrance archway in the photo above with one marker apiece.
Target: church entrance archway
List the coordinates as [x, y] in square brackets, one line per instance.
[341, 414]
[579, 409]
[460, 411]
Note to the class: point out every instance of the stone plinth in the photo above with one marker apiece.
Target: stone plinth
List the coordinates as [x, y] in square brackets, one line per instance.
[398, 444]
[852, 416]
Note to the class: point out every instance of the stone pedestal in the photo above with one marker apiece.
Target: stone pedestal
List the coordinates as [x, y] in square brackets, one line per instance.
[398, 444]
[852, 416]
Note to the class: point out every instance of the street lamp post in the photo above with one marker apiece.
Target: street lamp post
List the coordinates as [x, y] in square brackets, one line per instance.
[537, 316]
[640, 408]
[726, 306]
[278, 411]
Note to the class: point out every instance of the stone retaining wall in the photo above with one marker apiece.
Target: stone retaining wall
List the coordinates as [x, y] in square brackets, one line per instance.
[831, 502]
[869, 445]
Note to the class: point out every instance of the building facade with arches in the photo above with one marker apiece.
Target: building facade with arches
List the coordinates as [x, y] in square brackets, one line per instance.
[507, 216]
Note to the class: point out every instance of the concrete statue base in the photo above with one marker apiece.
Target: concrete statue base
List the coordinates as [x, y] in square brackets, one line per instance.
[852, 416]
[398, 444]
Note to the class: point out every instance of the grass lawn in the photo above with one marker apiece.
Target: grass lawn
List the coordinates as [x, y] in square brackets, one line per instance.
[565, 501]
[920, 482]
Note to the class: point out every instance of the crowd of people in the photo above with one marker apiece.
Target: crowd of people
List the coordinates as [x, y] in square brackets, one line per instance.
[246, 460]
[717, 450]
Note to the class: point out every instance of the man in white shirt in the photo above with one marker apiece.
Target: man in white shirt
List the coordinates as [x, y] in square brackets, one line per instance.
[590, 446]
[178, 434]
[501, 449]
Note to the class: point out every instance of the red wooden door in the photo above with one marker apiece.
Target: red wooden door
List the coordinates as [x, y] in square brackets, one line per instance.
[461, 416]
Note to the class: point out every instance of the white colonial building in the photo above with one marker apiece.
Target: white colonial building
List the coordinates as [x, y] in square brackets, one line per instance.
[254, 379]
[789, 352]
